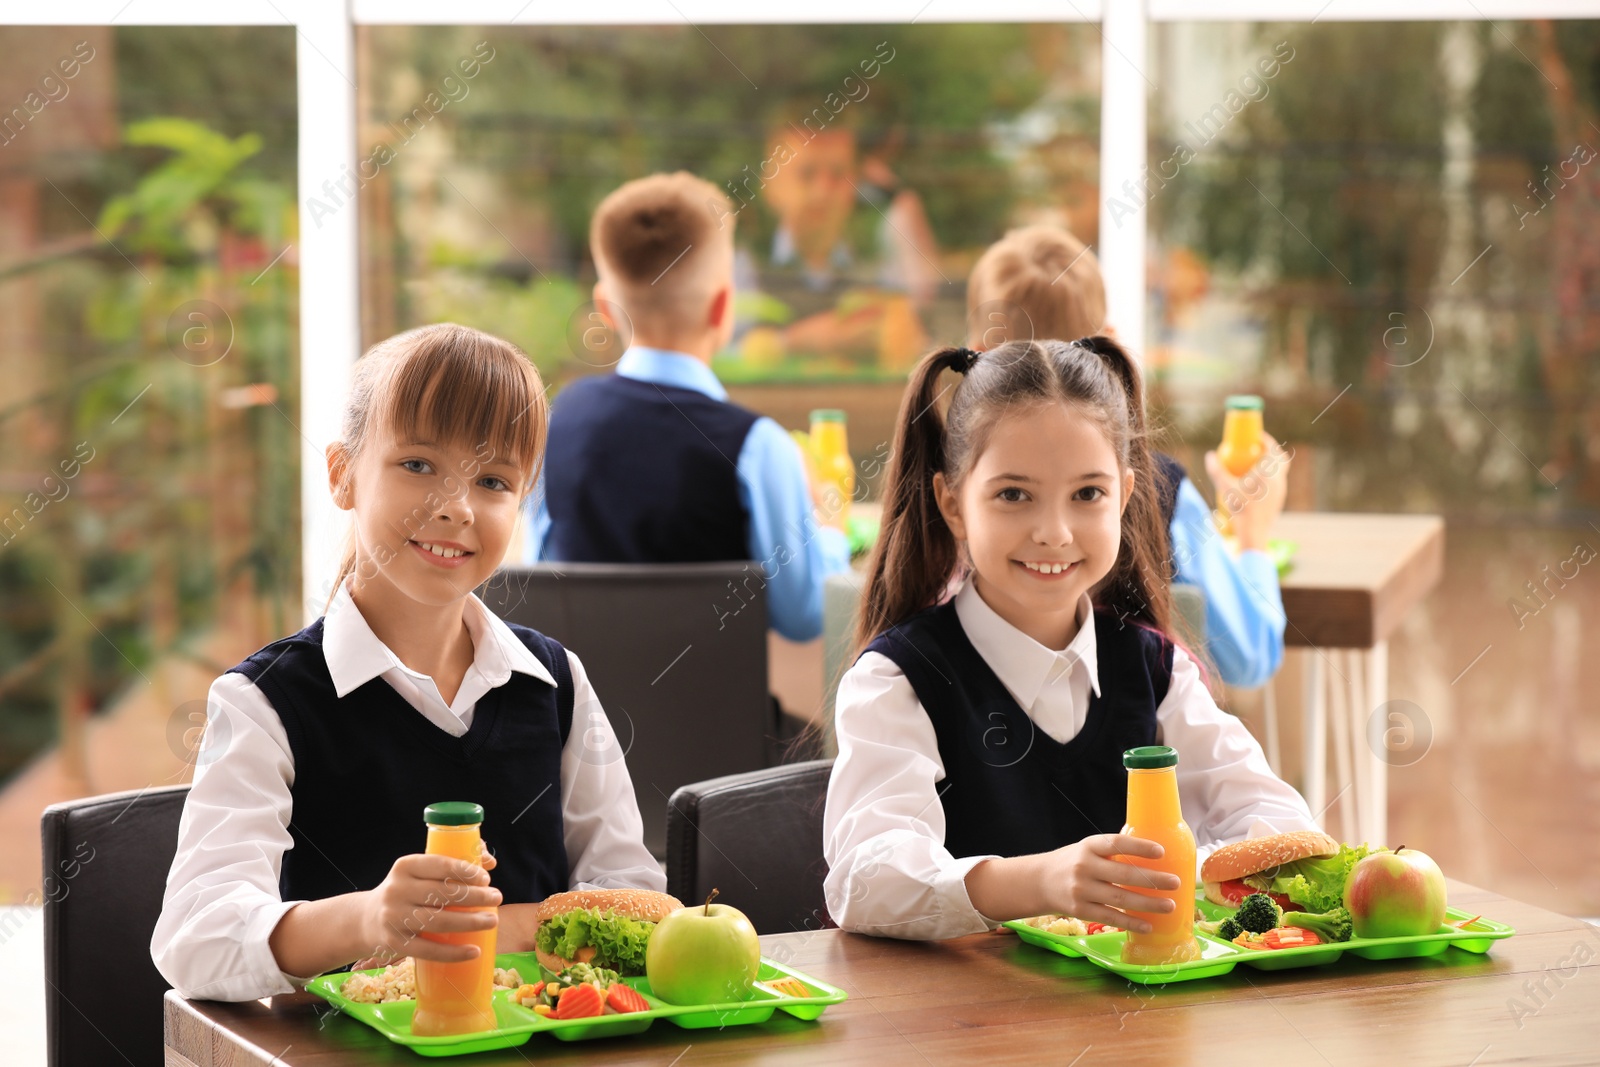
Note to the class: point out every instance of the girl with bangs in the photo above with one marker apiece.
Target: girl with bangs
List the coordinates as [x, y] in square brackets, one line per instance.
[297, 851]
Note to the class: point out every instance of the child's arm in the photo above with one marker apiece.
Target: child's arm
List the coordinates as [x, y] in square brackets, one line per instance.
[883, 833]
[1224, 781]
[318, 935]
[221, 901]
[1244, 608]
[601, 825]
[222, 920]
[796, 553]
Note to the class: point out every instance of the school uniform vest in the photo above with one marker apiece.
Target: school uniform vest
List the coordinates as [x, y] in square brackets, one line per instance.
[643, 473]
[366, 764]
[1169, 476]
[1010, 789]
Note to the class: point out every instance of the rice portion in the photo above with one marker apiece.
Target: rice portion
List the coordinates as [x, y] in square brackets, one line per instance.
[398, 981]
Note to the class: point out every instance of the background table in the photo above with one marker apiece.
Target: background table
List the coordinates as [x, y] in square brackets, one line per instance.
[1354, 579]
[991, 999]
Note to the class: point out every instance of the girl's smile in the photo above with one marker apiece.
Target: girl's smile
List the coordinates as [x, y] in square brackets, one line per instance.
[1046, 570]
[446, 554]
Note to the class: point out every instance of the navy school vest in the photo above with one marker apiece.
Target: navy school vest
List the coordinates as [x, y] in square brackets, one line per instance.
[367, 764]
[1010, 789]
[643, 473]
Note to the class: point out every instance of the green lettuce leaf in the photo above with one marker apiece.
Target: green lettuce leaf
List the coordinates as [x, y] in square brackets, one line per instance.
[1317, 884]
[618, 941]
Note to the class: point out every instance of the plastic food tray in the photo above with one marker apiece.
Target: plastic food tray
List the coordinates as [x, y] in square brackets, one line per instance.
[518, 1024]
[1220, 957]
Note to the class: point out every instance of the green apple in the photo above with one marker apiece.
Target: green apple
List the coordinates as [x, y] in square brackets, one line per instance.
[703, 955]
[1395, 894]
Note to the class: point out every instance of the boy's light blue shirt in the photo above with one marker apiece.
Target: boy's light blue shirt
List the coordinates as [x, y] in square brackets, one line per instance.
[1244, 607]
[796, 554]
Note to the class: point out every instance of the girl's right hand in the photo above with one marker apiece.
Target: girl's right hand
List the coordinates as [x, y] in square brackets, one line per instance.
[411, 901]
[1085, 881]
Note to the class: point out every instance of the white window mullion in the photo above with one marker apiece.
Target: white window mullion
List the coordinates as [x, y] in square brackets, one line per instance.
[330, 305]
[1125, 78]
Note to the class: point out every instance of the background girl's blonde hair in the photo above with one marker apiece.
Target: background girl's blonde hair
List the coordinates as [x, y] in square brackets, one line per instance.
[452, 385]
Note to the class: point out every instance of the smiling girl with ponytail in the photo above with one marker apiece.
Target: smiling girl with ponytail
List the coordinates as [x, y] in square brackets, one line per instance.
[980, 775]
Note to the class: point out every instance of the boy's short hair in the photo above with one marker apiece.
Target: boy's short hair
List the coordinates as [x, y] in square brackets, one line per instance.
[1035, 283]
[661, 244]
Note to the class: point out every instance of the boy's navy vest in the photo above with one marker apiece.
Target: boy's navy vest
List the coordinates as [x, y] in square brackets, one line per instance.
[1010, 789]
[367, 764]
[1169, 476]
[643, 473]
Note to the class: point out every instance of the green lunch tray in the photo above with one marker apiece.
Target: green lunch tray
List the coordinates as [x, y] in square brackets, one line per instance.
[518, 1024]
[862, 533]
[1220, 957]
[1281, 552]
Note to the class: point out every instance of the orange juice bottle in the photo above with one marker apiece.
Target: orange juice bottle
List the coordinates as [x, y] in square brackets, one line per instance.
[1242, 444]
[456, 998]
[831, 465]
[1154, 815]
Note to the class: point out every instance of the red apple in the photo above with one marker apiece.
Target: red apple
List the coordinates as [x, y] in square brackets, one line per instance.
[706, 954]
[1395, 894]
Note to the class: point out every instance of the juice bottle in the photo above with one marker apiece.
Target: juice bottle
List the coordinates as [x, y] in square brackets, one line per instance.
[1242, 445]
[832, 466]
[456, 998]
[1154, 815]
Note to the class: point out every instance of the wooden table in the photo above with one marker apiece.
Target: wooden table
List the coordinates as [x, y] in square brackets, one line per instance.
[1355, 577]
[991, 999]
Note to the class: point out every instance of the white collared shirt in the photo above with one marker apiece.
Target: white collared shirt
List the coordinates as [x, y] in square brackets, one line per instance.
[883, 828]
[222, 901]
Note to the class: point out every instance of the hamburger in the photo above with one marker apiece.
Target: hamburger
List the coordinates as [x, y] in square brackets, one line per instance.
[1272, 864]
[601, 927]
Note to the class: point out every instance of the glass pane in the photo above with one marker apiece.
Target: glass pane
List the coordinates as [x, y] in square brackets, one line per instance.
[149, 518]
[486, 150]
[1388, 230]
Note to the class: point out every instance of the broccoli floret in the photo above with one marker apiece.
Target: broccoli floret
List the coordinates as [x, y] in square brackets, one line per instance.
[1229, 929]
[1329, 925]
[1258, 913]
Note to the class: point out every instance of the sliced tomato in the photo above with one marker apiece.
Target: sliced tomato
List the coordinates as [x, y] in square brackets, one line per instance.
[580, 1002]
[1234, 891]
[625, 999]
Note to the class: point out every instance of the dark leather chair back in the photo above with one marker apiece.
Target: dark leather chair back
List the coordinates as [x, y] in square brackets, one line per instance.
[106, 860]
[757, 837]
[677, 654]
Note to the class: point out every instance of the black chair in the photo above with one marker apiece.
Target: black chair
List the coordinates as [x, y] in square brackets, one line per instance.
[105, 869]
[677, 654]
[757, 837]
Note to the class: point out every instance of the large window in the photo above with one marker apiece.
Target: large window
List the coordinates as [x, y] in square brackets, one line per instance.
[148, 291]
[866, 168]
[1388, 230]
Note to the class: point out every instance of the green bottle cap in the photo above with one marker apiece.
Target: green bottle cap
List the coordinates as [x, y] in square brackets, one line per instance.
[453, 813]
[1148, 757]
[827, 415]
[1243, 402]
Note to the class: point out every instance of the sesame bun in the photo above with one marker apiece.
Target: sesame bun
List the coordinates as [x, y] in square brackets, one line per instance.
[642, 904]
[1257, 854]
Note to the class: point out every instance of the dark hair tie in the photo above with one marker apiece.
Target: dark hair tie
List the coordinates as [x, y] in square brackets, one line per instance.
[962, 359]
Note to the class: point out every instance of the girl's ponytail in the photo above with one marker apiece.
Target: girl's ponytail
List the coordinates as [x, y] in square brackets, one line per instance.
[916, 553]
[1138, 586]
